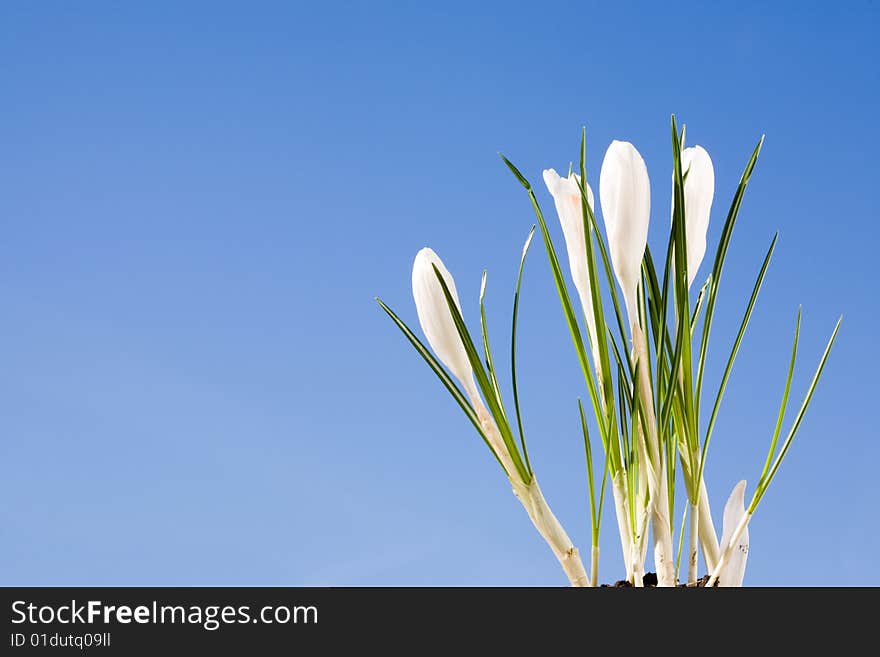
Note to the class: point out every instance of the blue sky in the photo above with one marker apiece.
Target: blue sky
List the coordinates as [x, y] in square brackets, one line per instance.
[199, 203]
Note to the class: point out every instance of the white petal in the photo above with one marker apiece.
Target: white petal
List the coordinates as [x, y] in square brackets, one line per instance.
[567, 198]
[699, 190]
[435, 318]
[625, 194]
[734, 510]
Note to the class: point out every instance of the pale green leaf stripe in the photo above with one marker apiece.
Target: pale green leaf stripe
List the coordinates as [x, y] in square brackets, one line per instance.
[442, 375]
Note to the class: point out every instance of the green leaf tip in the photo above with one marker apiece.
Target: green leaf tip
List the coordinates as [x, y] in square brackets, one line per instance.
[522, 179]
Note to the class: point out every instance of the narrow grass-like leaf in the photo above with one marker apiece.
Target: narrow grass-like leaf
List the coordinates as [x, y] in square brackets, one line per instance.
[643, 321]
[445, 379]
[739, 336]
[718, 265]
[522, 180]
[628, 367]
[603, 366]
[759, 492]
[784, 404]
[667, 273]
[589, 453]
[609, 276]
[655, 298]
[700, 298]
[605, 470]
[487, 351]
[522, 263]
[568, 310]
[680, 288]
[671, 387]
[483, 381]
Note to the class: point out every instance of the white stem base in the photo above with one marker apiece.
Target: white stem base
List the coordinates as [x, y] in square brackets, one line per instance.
[548, 526]
[708, 537]
[722, 561]
[692, 539]
[663, 558]
[618, 486]
[594, 567]
[638, 574]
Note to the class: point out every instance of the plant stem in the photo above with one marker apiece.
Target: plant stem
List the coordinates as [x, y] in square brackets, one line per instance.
[490, 430]
[639, 546]
[708, 537]
[692, 536]
[618, 486]
[594, 567]
[638, 565]
[529, 494]
[663, 551]
[731, 546]
[548, 526]
[664, 559]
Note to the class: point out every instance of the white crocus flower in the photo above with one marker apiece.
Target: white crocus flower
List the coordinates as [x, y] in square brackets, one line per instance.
[439, 328]
[699, 190]
[625, 194]
[734, 514]
[567, 198]
[436, 320]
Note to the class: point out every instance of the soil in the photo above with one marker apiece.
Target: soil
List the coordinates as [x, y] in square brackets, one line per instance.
[650, 581]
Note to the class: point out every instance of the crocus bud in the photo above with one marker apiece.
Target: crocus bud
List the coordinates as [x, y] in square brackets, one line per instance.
[699, 190]
[735, 568]
[567, 197]
[435, 318]
[625, 194]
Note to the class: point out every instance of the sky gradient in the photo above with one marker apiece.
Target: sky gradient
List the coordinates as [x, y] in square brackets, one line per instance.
[199, 203]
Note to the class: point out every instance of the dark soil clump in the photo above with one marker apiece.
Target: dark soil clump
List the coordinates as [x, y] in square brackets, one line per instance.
[649, 581]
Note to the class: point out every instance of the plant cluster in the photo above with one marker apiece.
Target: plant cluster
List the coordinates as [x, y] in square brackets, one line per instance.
[643, 359]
